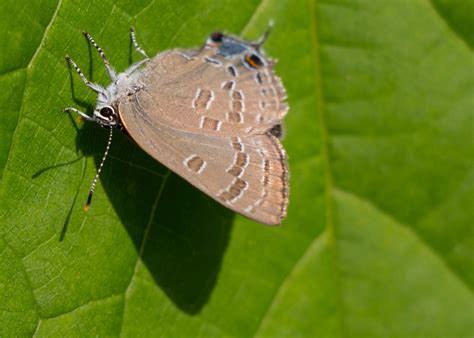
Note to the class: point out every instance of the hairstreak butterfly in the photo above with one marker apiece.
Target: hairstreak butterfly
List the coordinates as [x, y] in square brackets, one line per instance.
[212, 115]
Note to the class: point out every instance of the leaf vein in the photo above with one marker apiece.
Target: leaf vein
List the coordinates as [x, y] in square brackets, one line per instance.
[410, 229]
[142, 246]
[448, 25]
[315, 244]
[48, 27]
[328, 184]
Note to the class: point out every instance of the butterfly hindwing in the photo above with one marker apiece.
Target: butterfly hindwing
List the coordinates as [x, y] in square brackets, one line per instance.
[247, 174]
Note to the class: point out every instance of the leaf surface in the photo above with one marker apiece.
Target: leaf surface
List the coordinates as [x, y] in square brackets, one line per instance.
[378, 240]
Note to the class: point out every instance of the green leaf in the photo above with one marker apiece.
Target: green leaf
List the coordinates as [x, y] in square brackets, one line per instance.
[378, 241]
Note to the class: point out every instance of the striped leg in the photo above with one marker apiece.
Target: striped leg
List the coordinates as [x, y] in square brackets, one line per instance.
[93, 86]
[81, 114]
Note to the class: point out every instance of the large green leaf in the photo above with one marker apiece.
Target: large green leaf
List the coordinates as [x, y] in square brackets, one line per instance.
[378, 241]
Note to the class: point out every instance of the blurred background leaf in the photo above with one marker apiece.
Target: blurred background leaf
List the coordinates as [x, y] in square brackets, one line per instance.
[378, 241]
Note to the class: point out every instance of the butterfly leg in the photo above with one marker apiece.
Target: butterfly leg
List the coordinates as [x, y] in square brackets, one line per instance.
[93, 86]
[135, 43]
[81, 114]
[110, 70]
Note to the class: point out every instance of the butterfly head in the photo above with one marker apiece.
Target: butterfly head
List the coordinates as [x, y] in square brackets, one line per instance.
[106, 116]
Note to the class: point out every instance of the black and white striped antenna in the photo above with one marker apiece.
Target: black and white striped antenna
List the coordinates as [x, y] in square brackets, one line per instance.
[91, 191]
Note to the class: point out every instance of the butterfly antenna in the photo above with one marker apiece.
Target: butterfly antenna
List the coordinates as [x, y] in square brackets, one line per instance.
[91, 191]
[110, 70]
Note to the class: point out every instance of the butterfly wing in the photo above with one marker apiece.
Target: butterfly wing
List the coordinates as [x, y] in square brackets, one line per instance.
[198, 91]
[247, 174]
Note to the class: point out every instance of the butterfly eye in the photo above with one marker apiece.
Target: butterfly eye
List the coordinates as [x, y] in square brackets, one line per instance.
[253, 60]
[106, 111]
[217, 37]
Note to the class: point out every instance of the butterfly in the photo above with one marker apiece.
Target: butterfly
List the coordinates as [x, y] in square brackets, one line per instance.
[213, 115]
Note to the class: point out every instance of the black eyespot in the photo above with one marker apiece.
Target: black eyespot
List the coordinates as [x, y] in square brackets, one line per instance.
[217, 37]
[277, 131]
[106, 111]
[253, 60]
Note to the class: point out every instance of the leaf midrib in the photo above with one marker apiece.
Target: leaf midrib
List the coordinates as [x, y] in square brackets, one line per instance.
[328, 182]
[329, 232]
[27, 75]
[143, 244]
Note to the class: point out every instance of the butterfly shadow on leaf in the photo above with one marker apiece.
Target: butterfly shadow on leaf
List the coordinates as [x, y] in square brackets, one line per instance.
[179, 233]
